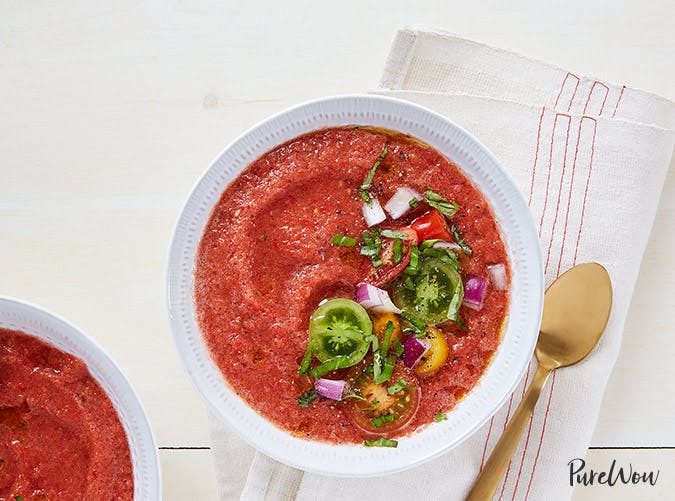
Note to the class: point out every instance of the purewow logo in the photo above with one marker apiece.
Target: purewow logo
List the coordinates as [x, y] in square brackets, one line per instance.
[615, 475]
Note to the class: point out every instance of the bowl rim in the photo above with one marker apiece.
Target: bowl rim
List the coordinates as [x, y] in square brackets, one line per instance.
[128, 406]
[204, 381]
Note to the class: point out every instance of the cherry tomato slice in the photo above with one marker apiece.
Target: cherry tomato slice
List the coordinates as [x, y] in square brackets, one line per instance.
[380, 321]
[338, 336]
[429, 294]
[387, 273]
[436, 355]
[431, 226]
[376, 411]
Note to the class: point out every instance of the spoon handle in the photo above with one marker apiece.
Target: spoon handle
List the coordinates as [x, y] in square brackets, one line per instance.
[489, 478]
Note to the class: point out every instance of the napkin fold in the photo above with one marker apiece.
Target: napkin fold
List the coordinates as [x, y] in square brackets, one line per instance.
[590, 157]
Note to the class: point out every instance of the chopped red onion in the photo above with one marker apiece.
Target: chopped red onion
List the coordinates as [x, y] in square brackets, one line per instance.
[330, 388]
[372, 298]
[413, 350]
[498, 276]
[474, 291]
[399, 203]
[447, 245]
[373, 213]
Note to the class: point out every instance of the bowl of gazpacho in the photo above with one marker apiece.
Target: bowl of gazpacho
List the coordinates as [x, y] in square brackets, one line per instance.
[71, 426]
[355, 285]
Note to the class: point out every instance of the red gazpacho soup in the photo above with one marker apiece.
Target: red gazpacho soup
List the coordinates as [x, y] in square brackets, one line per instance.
[60, 436]
[352, 285]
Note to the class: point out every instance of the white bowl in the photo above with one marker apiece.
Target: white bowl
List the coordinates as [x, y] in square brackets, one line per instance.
[33, 320]
[526, 295]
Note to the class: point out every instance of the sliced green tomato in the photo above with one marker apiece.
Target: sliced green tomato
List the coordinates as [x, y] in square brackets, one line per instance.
[339, 332]
[431, 292]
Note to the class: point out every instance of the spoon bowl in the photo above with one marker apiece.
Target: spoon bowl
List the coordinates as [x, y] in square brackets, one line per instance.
[576, 311]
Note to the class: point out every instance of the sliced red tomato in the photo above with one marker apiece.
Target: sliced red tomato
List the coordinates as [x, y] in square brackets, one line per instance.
[431, 226]
[386, 273]
[380, 409]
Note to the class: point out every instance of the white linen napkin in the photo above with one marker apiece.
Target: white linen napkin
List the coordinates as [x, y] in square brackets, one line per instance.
[590, 158]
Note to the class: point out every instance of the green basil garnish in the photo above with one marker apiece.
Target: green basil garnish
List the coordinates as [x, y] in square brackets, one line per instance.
[445, 207]
[459, 240]
[380, 442]
[414, 260]
[396, 387]
[414, 324]
[307, 398]
[343, 240]
[397, 251]
[397, 348]
[380, 420]
[372, 245]
[368, 181]
[456, 302]
[394, 234]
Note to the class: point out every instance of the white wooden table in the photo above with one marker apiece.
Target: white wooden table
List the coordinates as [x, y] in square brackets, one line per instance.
[109, 111]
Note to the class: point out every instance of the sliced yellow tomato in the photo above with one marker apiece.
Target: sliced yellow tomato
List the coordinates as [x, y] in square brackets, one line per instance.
[380, 322]
[436, 355]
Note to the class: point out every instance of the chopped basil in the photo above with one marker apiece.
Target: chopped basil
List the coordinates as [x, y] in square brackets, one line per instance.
[306, 359]
[456, 301]
[397, 251]
[332, 364]
[380, 442]
[371, 238]
[408, 283]
[445, 207]
[446, 255]
[415, 325]
[460, 324]
[383, 364]
[377, 365]
[380, 420]
[374, 256]
[439, 253]
[427, 244]
[18, 498]
[307, 397]
[387, 369]
[450, 258]
[459, 240]
[413, 202]
[343, 240]
[386, 337]
[397, 348]
[355, 397]
[368, 181]
[396, 387]
[371, 247]
[372, 405]
[414, 260]
[375, 342]
[394, 234]
[440, 417]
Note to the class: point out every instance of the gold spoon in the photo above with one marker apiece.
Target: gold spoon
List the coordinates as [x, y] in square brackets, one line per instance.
[576, 310]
